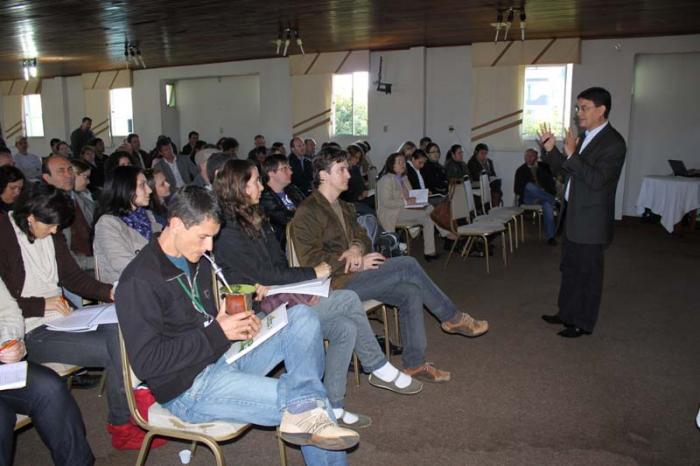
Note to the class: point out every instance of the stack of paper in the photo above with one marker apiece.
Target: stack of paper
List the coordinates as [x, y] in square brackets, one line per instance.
[316, 287]
[273, 323]
[13, 375]
[84, 320]
[421, 197]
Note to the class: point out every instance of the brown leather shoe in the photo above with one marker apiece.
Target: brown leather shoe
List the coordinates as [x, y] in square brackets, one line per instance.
[428, 373]
[467, 326]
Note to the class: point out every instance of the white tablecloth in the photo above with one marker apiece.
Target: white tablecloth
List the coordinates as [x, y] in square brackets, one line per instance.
[671, 197]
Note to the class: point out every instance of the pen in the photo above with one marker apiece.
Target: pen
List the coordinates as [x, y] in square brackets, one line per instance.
[545, 141]
[8, 344]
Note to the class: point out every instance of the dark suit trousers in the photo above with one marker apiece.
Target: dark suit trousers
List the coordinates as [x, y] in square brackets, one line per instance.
[581, 283]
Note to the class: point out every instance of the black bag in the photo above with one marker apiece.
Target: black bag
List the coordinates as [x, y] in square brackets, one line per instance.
[388, 244]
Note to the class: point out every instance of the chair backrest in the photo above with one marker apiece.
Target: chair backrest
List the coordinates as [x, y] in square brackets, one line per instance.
[516, 200]
[291, 252]
[372, 178]
[469, 192]
[460, 206]
[485, 191]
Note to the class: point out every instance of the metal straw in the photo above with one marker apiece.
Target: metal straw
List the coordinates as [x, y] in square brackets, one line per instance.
[218, 272]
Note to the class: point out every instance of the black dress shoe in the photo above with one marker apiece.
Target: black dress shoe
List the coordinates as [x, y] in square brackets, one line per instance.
[553, 319]
[83, 380]
[573, 332]
[551, 242]
[395, 350]
[431, 257]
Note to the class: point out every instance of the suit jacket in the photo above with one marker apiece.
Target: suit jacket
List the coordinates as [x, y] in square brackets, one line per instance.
[435, 177]
[390, 200]
[276, 212]
[302, 178]
[142, 154]
[589, 214]
[188, 170]
[523, 176]
[319, 236]
[412, 176]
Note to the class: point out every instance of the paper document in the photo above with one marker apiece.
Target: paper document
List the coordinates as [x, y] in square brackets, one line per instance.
[370, 192]
[273, 323]
[85, 320]
[420, 195]
[13, 375]
[316, 287]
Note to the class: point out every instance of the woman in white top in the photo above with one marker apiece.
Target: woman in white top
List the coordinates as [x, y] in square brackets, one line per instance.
[126, 225]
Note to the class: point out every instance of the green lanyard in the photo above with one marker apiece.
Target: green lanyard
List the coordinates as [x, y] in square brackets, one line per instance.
[193, 294]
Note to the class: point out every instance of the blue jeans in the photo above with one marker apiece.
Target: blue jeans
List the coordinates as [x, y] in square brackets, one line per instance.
[54, 414]
[240, 392]
[91, 349]
[402, 282]
[344, 324]
[533, 194]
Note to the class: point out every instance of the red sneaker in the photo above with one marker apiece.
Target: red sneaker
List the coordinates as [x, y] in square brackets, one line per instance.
[130, 437]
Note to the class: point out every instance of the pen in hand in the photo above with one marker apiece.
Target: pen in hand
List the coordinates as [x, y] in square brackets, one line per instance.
[8, 344]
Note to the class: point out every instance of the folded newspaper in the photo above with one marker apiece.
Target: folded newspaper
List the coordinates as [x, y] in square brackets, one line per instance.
[86, 319]
[273, 323]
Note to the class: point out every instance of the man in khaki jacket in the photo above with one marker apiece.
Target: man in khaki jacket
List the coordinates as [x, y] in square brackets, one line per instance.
[325, 229]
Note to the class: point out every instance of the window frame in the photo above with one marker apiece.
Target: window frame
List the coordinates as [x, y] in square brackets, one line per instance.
[567, 115]
[353, 106]
[26, 116]
[112, 112]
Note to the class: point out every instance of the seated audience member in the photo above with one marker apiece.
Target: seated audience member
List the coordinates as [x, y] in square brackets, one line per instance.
[424, 141]
[141, 156]
[392, 201]
[325, 230]
[230, 146]
[30, 164]
[280, 198]
[160, 194]
[414, 173]
[201, 158]
[52, 145]
[407, 149]
[366, 163]
[278, 148]
[59, 172]
[455, 167]
[11, 184]
[258, 141]
[302, 171]
[35, 264]
[6, 157]
[310, 148]
[258, 156]
[62, 148]
[125, 224]
[534, 184]
[178, 170]
[189, 149]
[480, 163]
[357, 193]
[215, 163]
[118, 159]
[97, 173]
[45, 398]
[100, 156]
[343, 319]
[179, 352]
[433, 172]
[82, 195]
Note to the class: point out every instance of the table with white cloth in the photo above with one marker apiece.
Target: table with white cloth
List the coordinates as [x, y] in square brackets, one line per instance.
[671, 197]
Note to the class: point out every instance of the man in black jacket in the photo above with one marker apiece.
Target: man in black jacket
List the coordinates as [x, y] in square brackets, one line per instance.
[176, 340]
[591, 166]
[280, 198]
[534, 184]
[302, 169]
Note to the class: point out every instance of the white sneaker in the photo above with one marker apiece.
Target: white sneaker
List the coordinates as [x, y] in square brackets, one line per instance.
[315, 427]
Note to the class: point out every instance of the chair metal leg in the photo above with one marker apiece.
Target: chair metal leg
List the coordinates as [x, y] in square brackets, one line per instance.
[397, 327]
[216, 449]
[145, 446]
[510, 236]
[282, 449]
[486, 253]
[387, 343]
[503, 242]
[467, 248]
[103, 382]
[522, 227]
[454, 245]
[356, 368]
[539, 225]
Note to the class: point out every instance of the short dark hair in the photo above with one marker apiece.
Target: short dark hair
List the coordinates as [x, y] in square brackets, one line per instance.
[598, 96]
[228, 144]
[276, 145]
[324, 160]
[130, 137]
[389, 164]
[53, 142]
[419, 154]
[80, 166]
[95, 141]
[46, 203]
[119, 191]
[430, 146]
[258, 136]
[479, 147]
[86, 119]
[9, 174]
[112, 161]
[272, 162]
[6, 150]
[192, 133]
[425, 140]
[194, 204]
[215, 162]
[163, 141]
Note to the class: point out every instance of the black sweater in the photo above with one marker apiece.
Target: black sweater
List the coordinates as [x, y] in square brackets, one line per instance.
[166, 340]
[255, 260]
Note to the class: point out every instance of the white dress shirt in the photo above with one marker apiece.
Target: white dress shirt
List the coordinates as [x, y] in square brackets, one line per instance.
[586, 140]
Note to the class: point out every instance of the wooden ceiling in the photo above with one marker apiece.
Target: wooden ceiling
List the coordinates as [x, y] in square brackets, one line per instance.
[71, 37]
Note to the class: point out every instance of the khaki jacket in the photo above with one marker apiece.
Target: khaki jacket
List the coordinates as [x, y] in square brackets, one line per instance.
[390, 200]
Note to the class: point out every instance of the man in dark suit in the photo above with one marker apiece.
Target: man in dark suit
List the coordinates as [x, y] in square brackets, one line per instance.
[414, 172]
[179, 170]
[280, 198]
[591, 166]
[141, 156]
[302, 169]
[534, 184]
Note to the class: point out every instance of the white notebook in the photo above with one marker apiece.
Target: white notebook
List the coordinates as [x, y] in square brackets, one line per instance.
[271, 324]
[315, 287]
[13, 375]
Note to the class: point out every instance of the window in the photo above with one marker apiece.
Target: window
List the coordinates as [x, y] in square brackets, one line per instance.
[170, 95]
[546, 99]
[33, 118]
[350, 94]
[121, 113]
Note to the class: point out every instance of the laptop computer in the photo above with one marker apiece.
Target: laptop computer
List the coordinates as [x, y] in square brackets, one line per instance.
[679, 169]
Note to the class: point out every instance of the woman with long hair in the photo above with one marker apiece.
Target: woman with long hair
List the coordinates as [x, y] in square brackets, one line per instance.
[125, 225]
[455, 166]
[248, 252]
[11, 184]
[160, 193]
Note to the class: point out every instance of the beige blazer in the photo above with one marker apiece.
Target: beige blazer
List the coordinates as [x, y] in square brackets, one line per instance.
[390, 200]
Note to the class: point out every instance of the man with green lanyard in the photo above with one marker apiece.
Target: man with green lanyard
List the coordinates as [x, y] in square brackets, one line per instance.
[176, 338]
